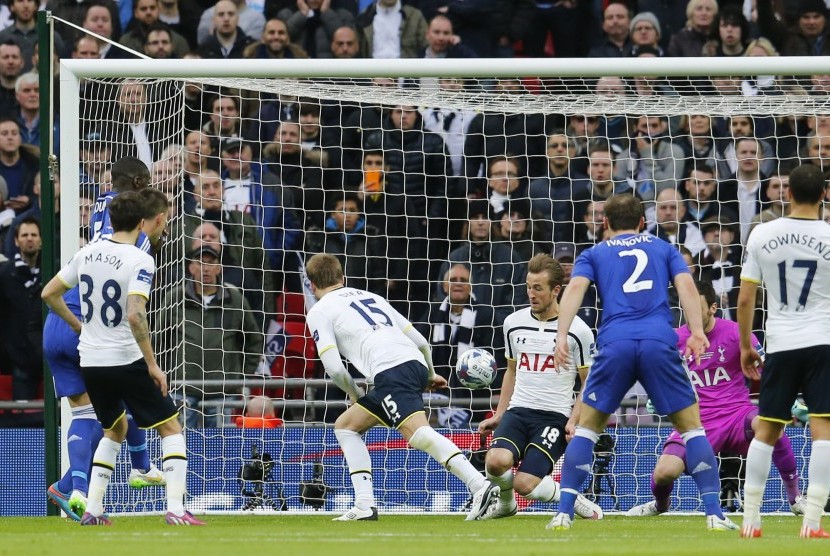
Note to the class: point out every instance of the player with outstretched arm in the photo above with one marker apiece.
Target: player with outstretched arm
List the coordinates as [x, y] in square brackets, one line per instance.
[383, 346]
[636, 342]
[790, 256]
[117, 359]
[536, 411]
[728, 414]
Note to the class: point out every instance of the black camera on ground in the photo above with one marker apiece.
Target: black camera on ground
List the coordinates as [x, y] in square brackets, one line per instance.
[601, 471]
[255, 480]
[314, 493]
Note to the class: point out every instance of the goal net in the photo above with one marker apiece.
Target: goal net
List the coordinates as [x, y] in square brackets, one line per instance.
[434, 183]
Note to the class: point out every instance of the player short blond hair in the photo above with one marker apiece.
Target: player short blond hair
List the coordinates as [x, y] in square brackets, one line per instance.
[324, 270]
[545, 263]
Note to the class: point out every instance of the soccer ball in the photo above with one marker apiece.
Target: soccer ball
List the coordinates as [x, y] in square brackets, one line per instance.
[476, 368]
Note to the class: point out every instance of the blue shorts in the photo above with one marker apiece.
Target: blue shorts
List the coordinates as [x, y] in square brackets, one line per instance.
[397, 394]
[60, 348]
[658, 366]
[534, 437]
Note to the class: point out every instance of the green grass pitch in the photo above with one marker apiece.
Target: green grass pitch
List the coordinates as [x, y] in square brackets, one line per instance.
[419, 535]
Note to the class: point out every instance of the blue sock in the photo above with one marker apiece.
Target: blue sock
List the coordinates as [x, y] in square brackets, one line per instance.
[579, 455]
[702, 466]
[137, 445]
[82, 439]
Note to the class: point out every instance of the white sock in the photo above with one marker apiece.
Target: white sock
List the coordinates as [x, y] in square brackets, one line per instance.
[505, 483]
[447, 454]
[819, 487]
[758, 461]
[174, 466]
[103, 464]
[546, 491]
[360, 466]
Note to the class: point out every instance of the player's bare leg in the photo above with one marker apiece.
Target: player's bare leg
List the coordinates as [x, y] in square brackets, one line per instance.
[819, 473]
[349, 429]
[420, 435]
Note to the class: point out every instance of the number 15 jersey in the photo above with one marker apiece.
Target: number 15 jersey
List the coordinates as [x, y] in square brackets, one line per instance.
[791, 256]
[106, 273]
[364, 328]
[632, 274]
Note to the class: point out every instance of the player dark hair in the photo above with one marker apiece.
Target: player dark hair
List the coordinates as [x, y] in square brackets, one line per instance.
[126, 211]
[807, 184]
[28, 220]
[324, 270]
[543, 262]
[155, 202]
[624, 212]
[706, 289]
[125, 173]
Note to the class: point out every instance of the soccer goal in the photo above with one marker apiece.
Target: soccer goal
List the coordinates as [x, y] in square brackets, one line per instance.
[383, 160]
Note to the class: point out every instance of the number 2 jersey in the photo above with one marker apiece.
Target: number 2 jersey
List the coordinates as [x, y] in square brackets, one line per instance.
[364, 328]
[531, 343]
[632, 273]
[791, 256]
[107, 273]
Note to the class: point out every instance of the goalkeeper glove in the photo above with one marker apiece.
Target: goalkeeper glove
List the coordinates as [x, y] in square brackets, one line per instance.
[800, 411]
[650, 407]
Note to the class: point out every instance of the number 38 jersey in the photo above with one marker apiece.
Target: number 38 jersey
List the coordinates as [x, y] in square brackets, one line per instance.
[364, 328]
[791, 256]
[106, 272]
[531, 343]
[632, 274]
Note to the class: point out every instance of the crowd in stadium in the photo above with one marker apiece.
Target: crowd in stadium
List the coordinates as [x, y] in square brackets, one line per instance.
[434, 208]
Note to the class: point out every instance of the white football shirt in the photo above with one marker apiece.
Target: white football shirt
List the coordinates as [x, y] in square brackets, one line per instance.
[531, 344]
[106, 273]
[364, 328]
[791, 257]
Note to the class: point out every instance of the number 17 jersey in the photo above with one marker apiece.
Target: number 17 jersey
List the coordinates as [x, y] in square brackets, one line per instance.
[364, 328]
[108, 272]
[632, 273]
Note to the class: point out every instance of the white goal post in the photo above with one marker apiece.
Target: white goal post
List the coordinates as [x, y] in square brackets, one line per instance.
[408, 482]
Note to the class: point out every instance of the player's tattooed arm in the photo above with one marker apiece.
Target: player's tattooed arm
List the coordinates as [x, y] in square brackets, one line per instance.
[137, 315]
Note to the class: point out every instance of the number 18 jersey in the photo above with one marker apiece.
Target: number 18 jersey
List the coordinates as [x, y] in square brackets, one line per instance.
[632, 273]
[791, 257]
[365, 329]
[106, 273]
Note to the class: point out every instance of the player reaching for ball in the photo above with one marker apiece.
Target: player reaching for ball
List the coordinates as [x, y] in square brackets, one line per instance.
[384, 346]
[536, 411]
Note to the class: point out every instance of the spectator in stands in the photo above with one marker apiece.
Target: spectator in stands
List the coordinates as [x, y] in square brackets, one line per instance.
[777, 194]
[232, 234]
[497, 275]
[649, 85]
[345, 44]
[312, 24]
[100, 18]
[582, 130]
[183, 17]
[565, 254]
[145, 16]
[730, 33]
[601, 173]
[23, 31]
[701, 188]
[450, 123]
[616, 23]
[390, 29]
[228, 39]
[357, 121]
[442, 41]
[224, 120]
[166, 176]
[505, 182]
[741, 193]
[198, 157]
[720, 262]
[653, 162]
[259, 414]
[86, 48]
[808, 38]
[818, 150]
[319, 143]
[743, 127]
[516, 227]
[250, 188]
[645, 33]
[18, 166]
[570, 25]
[215, 334]
[95, 160]
[158, 43]
[700, 143]
[27, 89]
[21, 320]
[11, 67]
[274, 43]
[559, 197]
[249, 21]
[689, 41]
[491, 134]
[671, 224]
[361, 249]
[591, 229]
[460, 322]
